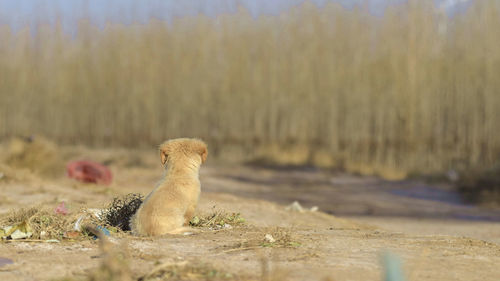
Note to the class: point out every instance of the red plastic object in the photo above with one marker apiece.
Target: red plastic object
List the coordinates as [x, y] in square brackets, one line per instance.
[61, 209]
[89, 172]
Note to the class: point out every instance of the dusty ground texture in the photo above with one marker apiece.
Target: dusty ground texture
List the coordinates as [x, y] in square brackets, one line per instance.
[359, 218]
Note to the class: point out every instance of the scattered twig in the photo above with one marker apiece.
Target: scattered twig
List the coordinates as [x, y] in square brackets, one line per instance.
[27, 240]
[237, 249]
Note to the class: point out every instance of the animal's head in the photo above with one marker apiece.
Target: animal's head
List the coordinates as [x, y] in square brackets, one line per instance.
[183, 148]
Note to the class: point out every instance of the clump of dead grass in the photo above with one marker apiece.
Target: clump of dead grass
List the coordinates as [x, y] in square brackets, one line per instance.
[282, 239]
[44, 222]
[217, 219]
[264, 238]
[9, 174]
[35, 154]
[187, 271]
[120, 211]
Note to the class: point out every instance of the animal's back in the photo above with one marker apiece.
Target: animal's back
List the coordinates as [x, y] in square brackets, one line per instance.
[161, 212]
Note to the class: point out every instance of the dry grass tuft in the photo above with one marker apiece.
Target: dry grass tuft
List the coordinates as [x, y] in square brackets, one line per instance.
[263, 238]
[35, 154]
[193, 270]
[283, 239]
[217, 220]
[9, 174]
[44, 222]
[121, 210]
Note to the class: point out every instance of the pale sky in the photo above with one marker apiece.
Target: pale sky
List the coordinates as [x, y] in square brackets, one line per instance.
[17, 13]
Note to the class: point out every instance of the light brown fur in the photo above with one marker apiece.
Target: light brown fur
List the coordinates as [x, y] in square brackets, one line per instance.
[173, 202]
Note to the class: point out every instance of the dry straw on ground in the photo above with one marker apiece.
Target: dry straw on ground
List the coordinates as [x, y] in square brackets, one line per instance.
[194, 270]
[115, 263]
[44, 222]
[120, 211]
[217, 219]
[411, 90]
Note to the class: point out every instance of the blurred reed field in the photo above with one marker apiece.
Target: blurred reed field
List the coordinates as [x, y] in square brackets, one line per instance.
[412, 90]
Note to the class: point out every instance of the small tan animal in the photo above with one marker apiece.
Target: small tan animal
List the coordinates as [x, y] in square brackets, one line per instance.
[173, 202]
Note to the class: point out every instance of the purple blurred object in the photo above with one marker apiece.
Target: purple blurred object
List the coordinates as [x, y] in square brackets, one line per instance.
[5, 261]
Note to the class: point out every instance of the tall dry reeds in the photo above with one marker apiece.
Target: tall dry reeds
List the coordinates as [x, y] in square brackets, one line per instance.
[401, 90]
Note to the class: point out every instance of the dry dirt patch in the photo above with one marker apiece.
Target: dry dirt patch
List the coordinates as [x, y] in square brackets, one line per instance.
[307, 246]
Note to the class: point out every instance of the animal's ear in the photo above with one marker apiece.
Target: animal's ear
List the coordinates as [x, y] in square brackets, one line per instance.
[163, 154]
[203, 151]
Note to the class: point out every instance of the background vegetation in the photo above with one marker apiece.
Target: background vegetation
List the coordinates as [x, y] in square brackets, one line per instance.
[409, 91]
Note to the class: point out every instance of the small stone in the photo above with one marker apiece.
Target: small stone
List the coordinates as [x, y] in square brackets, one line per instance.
[295, 206]
[314, 208]
[269, 238]
[227, 226]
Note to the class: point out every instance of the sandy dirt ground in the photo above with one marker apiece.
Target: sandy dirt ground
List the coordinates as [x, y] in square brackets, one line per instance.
[436, 236]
